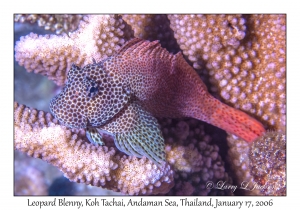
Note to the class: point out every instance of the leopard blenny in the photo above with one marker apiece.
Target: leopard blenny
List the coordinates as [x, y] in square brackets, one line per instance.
[123, 94]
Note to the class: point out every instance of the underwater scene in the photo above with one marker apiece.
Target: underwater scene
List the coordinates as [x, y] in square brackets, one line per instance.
[173, 105]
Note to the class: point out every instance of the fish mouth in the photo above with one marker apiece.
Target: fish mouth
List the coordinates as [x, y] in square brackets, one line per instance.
[67, 117]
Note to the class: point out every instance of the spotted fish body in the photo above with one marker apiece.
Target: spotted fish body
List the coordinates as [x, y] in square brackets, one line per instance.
[89, 98]
[124, 93]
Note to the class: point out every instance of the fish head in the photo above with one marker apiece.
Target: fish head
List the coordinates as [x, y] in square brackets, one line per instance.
[89, 98]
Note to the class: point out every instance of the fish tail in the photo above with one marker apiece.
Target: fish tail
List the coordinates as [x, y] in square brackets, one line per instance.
[232, 120]
[237, 122]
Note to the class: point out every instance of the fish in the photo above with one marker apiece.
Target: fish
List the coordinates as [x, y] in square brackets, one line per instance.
[123, 95]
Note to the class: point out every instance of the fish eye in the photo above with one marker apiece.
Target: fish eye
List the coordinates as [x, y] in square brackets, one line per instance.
[92, 88]
[92, 92]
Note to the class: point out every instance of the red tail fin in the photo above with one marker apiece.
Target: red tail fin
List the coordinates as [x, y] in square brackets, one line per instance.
[236, 122]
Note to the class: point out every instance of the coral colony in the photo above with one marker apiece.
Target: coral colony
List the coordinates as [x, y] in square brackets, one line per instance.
[138, 92]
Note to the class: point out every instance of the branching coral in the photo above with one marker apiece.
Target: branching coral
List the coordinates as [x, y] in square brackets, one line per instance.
[40, 136]
[243, 58]
[194, 158]
[98, 36]
[153, 27]
[58, 23]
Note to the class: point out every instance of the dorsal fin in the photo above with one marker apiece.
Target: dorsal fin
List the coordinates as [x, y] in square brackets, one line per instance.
[127, 45]
[137, 47]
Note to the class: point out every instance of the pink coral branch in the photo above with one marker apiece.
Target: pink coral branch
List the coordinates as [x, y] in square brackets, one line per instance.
[98, 36]
[40, 136]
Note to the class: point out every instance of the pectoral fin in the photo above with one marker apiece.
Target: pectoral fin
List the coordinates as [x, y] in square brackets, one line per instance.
[137, 133]
[94, 136]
